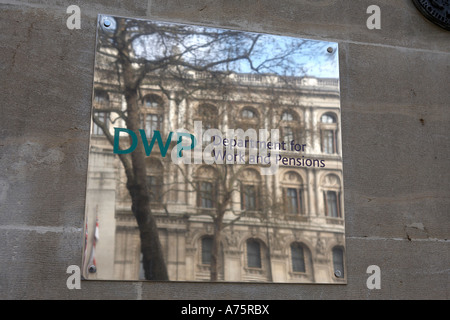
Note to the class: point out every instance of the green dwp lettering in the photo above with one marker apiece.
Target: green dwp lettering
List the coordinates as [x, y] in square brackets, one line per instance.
[163, 147]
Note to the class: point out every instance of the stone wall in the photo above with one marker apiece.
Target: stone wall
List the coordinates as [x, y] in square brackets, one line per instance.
[395, 128]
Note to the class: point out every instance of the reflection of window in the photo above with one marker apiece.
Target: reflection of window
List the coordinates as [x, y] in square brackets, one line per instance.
[288, 134]
[293, 193]
[155, 186]
[207, 243]
[249, 197]
[248, 118]
[253, 254]
[338, 262]
[103, 117]
[151, 117]
[328, 118]
[294, 200]
[150, 123]
[331, 188]
[248, 113]
[208, 115]
[290, 126]
[155, 180]
[329, 141]
[101, 97]
[250, 182]
[152, 101]
[287, 116]
[206, 187]
[328, 133]
[205, 196]
[332, 204]
[298, 258]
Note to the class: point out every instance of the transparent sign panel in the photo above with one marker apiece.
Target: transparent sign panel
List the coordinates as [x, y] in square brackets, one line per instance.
[215, 155]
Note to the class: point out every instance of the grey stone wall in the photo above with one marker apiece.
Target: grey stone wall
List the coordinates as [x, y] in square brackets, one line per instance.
[395, 128]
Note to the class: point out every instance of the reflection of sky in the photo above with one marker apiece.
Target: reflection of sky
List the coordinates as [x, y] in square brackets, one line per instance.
[271, 54]
[309, 57]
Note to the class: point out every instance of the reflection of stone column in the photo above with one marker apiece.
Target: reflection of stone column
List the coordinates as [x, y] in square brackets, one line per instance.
[190, 263]
[275, 121]
[315, 131]
[278, 191]
[191, 194]
[321, 262]
[225, 122]
[266, 119]
[311, 192]
[278, 267]
[308, 132]
[186, 109]
[232, 258]
[322, 271]
[176, 254]
[171, 260]
[183, 111]
[318, 196]
[320, 246]
[271, 191]
[181, 260]
[232, 265]
[276, 271]
[170, 116]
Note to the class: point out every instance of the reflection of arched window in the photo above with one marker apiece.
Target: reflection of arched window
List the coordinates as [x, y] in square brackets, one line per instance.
[338, 262]
[293, 196]
[331, 186]
[152, 101]
[254, 254]
[101, 98]
[250, 181]
[247, 118]
[205, 258]
[298, 257]
[155, 180]
[328, 118]
[206, 250]
[152, 114]
[328, 131]
[290, 126]
[249, 113]
[256, 260]
[288, 116]
[301, 262]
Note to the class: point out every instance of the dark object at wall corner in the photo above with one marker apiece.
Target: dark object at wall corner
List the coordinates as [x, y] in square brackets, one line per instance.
[437, 11]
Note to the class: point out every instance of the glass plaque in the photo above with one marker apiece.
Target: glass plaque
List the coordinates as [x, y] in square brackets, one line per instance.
[215, 155]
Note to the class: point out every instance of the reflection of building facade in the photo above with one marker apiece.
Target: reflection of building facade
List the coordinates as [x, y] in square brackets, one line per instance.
[292, 223]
